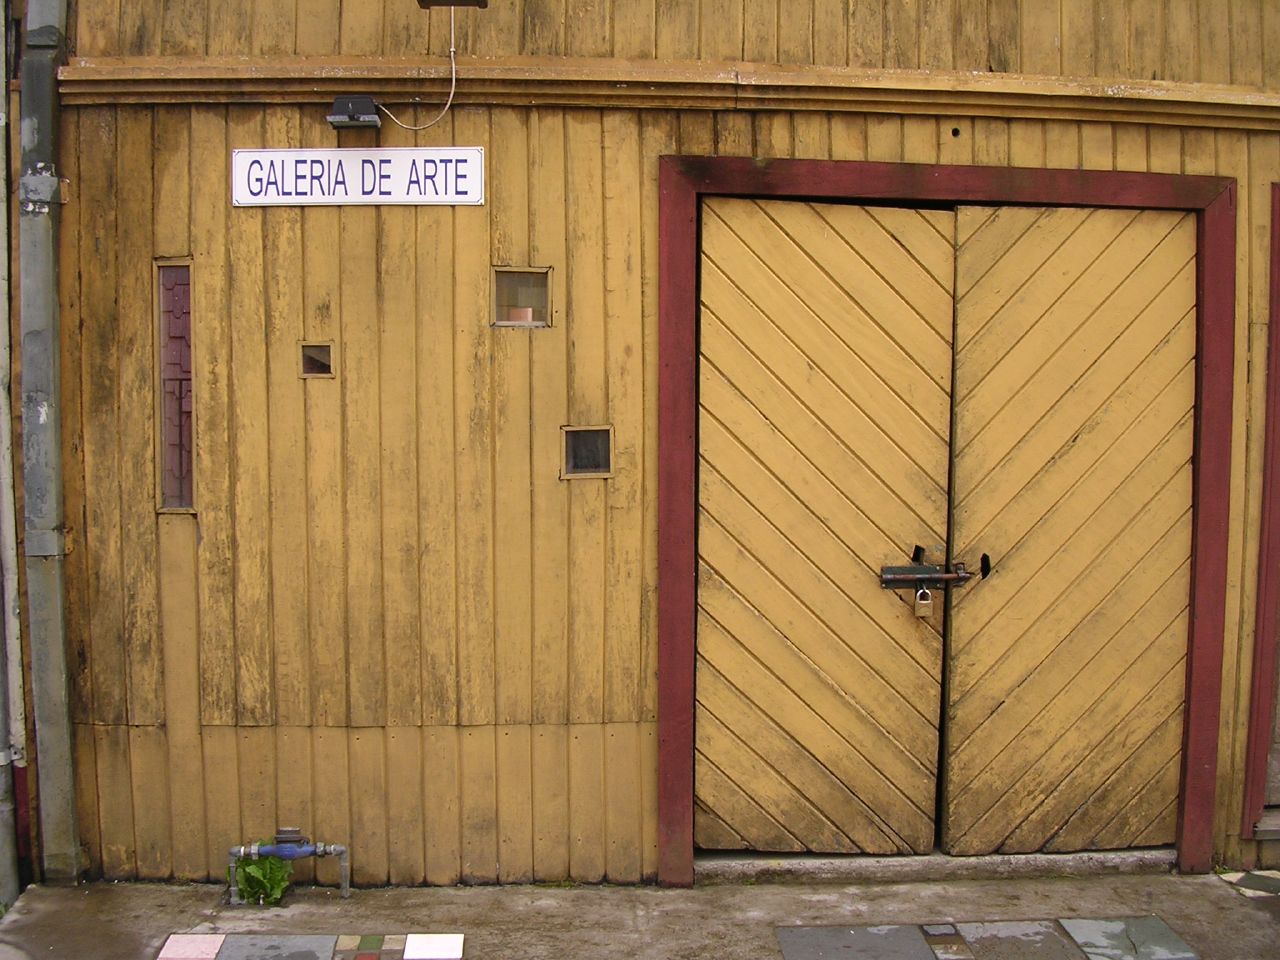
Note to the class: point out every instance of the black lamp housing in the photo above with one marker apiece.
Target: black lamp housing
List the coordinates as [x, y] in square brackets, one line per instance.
[357, 111]
[482, 4]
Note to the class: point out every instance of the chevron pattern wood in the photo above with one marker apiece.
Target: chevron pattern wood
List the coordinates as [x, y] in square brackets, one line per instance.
[1074, 393]
[824, 425]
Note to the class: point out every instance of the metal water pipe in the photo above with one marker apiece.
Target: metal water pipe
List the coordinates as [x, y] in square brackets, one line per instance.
[39, 198]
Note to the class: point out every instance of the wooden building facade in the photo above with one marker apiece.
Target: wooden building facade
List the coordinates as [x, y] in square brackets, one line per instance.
[1010, 269]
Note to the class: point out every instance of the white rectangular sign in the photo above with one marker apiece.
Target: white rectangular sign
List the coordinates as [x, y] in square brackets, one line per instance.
[451, 176]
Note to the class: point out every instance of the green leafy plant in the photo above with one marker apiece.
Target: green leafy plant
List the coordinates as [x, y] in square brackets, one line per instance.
[263, 880]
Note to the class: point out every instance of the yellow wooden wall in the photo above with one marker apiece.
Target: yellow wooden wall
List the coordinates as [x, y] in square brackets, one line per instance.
[389, 622]
[1213, 41]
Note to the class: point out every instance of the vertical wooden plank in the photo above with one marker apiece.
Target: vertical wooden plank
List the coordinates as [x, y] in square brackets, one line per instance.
[1062, 143]
[211, 384]
[760, 31]
[970, 43]
[436, 454]
[78, 613]
[919, 139]
[97, 29]
[902, 34]
[136, 359]
[649, 800]
[773, 134]
[634, 30]
[331, 794]
[697, 132]
[477, 767]
[848, 136]
[735, 134]
[184, 28]
[1039, 25]
[115, 801]
[1182, 47]
[1147, 39]
[1246, 42]
[441, 794]
[369, 863]
[624, 365]
[171, 223]
[140, 24]
[1131, 146]
[795, 33]
[98, 388]
[721, 30]
[406, 811]
[587, 28]
[1213, 33]
[181, 635]
[149, 758]
[623, 801]
[1164, 149]
[1002, 36]
[1026, 143]
[326, 546]
[550, 802]
[514, 786]
[658, 138]
[955, 140]
[256, 754]
[230, 28]
[88, 817]
[1096, 146]
[221, 798]
[1270, 46]
[587, 838]
[1112, 36]
[811, 133]
[937, 33]
[512, 412]
[397, 305]
[274, 27]
[473, 426]
[360, 32]
[406, 31]
[317, 31]
[884, 138]
[250, 476]
[497, 32]
[1078, 39]
[588, 404]
[294, 772]
[284, 309]
[544, 22]
[676, 29]
[991, 141]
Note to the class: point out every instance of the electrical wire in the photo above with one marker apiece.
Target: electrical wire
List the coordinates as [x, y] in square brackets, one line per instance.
[453, 86]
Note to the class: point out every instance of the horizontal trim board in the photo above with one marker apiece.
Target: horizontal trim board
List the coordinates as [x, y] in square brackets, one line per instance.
[682, 85]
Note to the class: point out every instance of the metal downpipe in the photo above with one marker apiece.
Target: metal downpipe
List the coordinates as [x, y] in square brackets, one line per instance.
[38, 198]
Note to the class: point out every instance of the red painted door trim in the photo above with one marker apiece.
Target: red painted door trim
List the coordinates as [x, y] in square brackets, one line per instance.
[1262, 700]
[683, 181]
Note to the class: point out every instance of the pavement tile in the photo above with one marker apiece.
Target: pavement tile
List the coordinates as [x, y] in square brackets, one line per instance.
[1128, 938]
[371, 942]
[1259, 881]
[938, 929]
[191, 946]
[393, 941]
[348, 941]
[948, 946]
[1231, 877]
[846, 943]
[277, 947]
[1014, 940]
[433, 946]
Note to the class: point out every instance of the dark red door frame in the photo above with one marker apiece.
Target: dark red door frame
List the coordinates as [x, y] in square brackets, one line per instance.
[1267, 622]
[683, 181]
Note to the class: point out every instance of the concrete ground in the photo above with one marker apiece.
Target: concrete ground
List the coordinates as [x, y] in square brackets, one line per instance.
[726, 921]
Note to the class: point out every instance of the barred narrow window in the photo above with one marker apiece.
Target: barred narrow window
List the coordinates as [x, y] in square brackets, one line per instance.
[175, 387]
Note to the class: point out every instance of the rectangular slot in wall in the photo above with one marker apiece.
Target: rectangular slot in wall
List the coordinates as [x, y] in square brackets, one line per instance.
[176, 439]
[521, 296]
[588, 452]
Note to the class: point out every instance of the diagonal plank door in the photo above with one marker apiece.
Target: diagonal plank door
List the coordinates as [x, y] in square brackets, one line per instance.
[825, 368]
[1074, 391]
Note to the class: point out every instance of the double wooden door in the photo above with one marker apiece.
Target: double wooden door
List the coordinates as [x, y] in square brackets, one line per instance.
[1009, 388]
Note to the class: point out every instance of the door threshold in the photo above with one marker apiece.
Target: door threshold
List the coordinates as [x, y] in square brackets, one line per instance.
[716, 867]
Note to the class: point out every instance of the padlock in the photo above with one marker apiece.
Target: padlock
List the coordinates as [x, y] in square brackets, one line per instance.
[924, 603]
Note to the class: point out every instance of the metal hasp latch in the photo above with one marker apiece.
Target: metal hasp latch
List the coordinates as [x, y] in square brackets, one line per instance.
[921, 576]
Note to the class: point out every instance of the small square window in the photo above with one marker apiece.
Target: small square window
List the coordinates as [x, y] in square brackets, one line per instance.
[317, 359]
[588, 452]
[521, 296]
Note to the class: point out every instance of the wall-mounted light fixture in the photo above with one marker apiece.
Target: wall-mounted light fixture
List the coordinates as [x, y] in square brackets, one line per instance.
[357, 111]
[482, 4]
